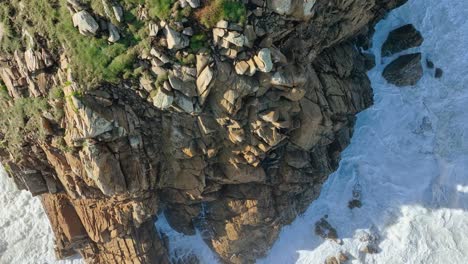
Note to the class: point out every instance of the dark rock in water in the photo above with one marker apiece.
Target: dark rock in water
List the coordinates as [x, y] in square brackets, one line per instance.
[401, 39]
[354, 204]
[404, 71]
[438, 72]
[429, 64]
[325, 230]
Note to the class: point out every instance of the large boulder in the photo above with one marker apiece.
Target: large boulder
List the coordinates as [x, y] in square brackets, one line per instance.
[85, 22]
[401, 39]
[175, 40]
[405, 71]
[263, 60]
[301, 9]
[163, 99]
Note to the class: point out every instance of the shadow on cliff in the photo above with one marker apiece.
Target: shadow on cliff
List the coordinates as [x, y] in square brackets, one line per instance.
[408, 155]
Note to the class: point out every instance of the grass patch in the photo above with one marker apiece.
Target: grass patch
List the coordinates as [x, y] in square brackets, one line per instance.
[160, 8]
[21, 119]
[92, 59]
[216, 10]
[198, 42]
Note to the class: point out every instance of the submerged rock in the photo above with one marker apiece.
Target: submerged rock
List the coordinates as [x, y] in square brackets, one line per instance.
[404, 71]
[438, 73]
[401, 39]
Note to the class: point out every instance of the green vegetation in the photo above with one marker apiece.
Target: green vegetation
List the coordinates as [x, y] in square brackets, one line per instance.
[56, 93]
[10, 40]
[3, 91]
[190, 59]
[92, 59]
[217, 10]
[20, 118]
[161, 79]
[198, 42]
[160, 8]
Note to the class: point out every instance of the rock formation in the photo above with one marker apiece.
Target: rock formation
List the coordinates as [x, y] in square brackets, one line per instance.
[400, 39]
[238, 120]
[406, 70]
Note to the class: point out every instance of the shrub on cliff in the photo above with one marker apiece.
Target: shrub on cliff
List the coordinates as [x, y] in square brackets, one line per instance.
[19, 119]
[217, 10]
[160, 8]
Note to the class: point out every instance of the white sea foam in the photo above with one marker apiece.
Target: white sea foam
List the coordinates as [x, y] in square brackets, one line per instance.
[409, 153]
[25, 233]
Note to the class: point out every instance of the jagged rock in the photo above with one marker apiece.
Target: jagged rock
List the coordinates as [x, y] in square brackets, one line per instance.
[202, 62]
[175, 40]
[241, 67]
[325, 230]
[263, 60]
[146, 83]
[250, 36]
[114, 35]
[184, 102]
[33, 60]
[76, 4]
[193, 3]
[187, 88]
[163, 99]
[252, 67]
[270, 116]
[312, 121]
[429, 64]
[153, 29]
[163, 58]
[222, 24]
[203, 83]
[188, 31]
[401, 39]
[85, 23]
[230, 53]
[299, 8]
[405, 70]
[118, 12]
[282, 7]
[235, 38]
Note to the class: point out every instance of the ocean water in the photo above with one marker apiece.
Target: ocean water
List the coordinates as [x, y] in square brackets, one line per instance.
[409, 156]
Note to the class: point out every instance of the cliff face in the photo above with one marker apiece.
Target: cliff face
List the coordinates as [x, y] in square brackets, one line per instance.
[234, 138]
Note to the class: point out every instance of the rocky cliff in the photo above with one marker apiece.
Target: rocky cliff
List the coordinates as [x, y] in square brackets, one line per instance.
[226, 116]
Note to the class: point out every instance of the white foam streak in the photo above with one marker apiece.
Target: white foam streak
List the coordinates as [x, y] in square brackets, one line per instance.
[411, 148]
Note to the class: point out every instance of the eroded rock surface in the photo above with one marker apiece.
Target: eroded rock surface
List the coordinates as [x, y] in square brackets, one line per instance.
[244, 133]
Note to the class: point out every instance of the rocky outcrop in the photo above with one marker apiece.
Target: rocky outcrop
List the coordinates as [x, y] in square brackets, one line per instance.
[400, 39]
[406, 70]
[85, 23]
[235, 139]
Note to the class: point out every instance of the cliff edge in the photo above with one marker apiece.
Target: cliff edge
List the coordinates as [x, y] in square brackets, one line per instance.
[226, 116]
